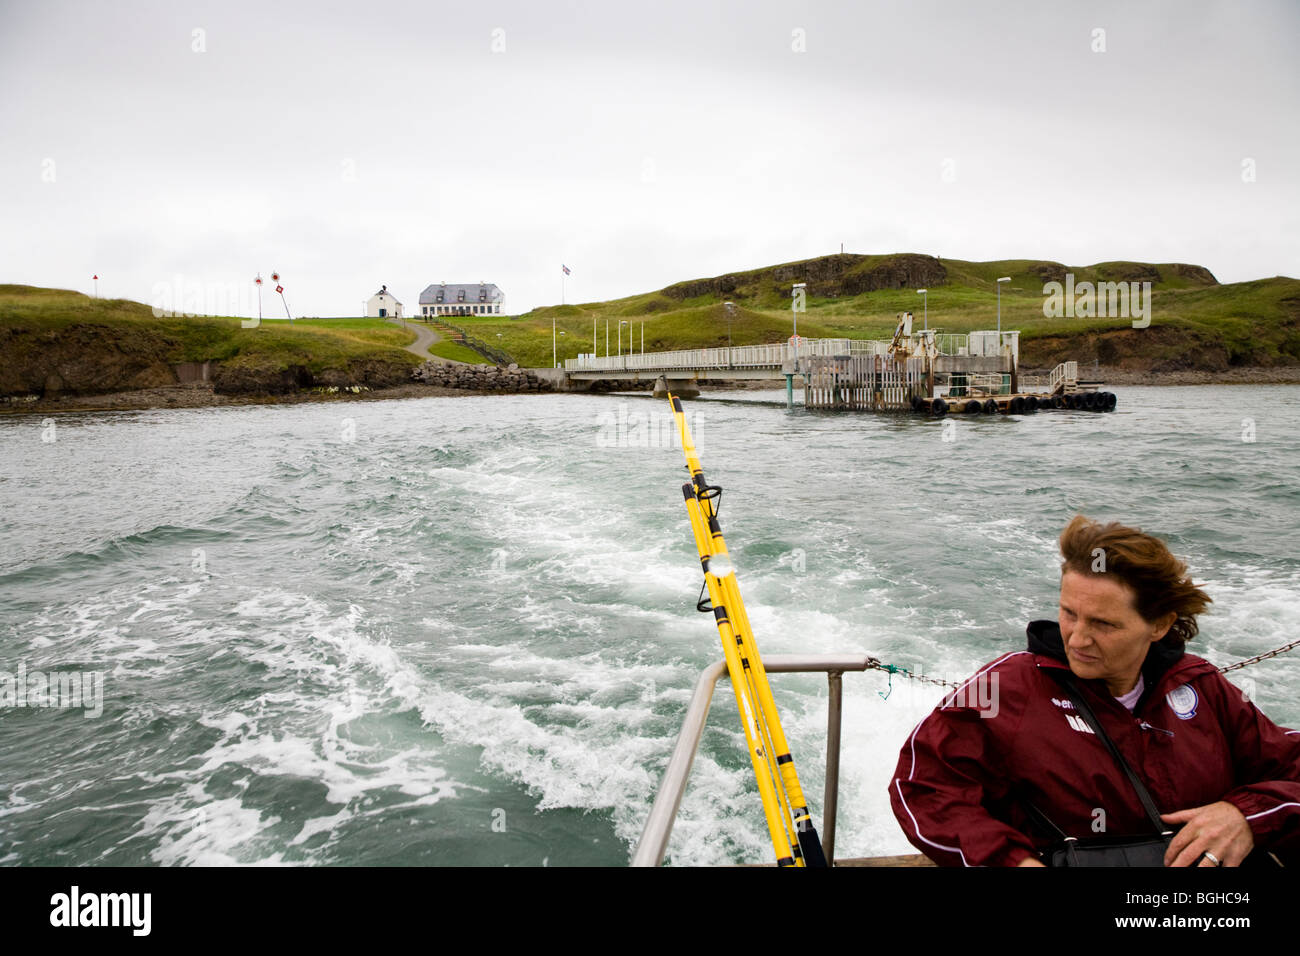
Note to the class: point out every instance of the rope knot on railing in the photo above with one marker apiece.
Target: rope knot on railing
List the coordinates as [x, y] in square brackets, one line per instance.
[875, 663]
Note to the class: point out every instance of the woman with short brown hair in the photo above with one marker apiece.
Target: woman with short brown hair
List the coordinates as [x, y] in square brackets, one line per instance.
[1159, 581]
[1104, 735]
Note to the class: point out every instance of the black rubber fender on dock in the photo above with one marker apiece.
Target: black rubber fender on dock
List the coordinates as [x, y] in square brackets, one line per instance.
[1016, 406]
[939, 407]
[990, 407]
[972, 407]
[916, 403]
[1111, 401]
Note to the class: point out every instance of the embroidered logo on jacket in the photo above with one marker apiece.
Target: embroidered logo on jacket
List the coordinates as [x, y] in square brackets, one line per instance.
[1182, 701]
[1078, 723]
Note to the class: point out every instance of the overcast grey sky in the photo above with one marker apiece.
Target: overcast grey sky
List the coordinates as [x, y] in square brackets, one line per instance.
[353, 144]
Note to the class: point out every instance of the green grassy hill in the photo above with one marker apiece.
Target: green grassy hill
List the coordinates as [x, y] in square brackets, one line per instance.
[1195, 321]
[54, 340]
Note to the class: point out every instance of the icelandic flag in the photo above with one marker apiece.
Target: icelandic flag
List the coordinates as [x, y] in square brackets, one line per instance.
[566, 269]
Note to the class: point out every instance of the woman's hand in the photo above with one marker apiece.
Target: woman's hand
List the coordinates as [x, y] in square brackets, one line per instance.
[1030, 861]
[1217, 828]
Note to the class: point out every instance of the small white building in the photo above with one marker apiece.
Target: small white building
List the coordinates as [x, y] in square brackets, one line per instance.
[483, 298]
[383, 304]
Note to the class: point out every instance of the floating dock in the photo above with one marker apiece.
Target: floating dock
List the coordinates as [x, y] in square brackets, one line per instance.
[940, 373]
[929, 371]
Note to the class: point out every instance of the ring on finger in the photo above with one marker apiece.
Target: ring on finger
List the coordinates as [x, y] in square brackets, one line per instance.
[1213, 859]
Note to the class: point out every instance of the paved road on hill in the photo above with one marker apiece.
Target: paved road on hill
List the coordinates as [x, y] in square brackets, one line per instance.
[424, 337]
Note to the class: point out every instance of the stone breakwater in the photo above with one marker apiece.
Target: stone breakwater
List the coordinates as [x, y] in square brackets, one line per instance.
[479, 378]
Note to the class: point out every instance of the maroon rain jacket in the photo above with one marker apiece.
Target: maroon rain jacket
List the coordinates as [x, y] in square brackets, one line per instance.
[1011, 734]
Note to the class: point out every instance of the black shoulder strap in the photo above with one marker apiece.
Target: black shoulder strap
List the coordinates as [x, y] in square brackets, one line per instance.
[1043, 820]
[1081, 704]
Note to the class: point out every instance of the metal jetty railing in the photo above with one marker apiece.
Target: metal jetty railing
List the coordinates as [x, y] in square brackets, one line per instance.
[1064, 376]
[659, 825]
[742, 356]
[782, 355]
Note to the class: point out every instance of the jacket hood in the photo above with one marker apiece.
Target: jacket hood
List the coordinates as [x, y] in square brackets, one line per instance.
[1045, 641]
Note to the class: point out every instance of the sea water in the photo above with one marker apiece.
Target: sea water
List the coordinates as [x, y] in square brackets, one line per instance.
[463, 630]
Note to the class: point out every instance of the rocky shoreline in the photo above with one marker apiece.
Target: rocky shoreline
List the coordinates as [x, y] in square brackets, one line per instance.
[479, 378]
[441, 380]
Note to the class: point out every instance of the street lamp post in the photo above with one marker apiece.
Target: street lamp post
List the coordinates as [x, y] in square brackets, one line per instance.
[1013, 370]
[925, 306]
[797, 294]
[794, 308]
[728, 306]
[999, 285]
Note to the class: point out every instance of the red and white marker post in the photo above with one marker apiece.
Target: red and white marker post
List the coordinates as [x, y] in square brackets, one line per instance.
[275, 277]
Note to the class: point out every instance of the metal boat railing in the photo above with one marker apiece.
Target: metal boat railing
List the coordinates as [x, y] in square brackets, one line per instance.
[659, 825]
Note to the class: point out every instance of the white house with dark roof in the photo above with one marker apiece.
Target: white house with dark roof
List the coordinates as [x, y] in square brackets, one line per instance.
[449, 298]
[383, 304]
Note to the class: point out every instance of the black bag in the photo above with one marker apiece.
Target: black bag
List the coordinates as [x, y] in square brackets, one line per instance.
[1103, 850]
